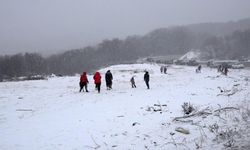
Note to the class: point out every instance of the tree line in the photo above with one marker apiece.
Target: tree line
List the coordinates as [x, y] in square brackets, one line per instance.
[165, 41]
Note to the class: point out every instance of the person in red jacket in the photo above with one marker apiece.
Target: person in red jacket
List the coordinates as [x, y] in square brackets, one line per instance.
[97, 77]
[84, 82]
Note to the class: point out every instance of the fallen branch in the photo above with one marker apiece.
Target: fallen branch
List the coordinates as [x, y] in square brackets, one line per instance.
[233, 92]
[135, 123]
[175, 144]
[24, 110]
[120, 116]
[226, 108]
[228, 93]
[218, 115]
[97, 145]
[182, 130]
[200, 113]
[157, 108]
[185, 121]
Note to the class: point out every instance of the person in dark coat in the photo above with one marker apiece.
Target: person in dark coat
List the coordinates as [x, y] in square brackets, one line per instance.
[226, 70]
[165, 69]
[84, 82]
[97, 78]
[198, 70]
[146, 79]
[108, 78]
[132, 80]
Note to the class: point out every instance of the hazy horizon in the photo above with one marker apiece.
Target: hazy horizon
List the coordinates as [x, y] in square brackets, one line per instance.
[48, 26]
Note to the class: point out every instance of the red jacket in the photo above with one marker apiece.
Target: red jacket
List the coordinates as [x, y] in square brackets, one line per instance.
[84, 78]
[97, 77]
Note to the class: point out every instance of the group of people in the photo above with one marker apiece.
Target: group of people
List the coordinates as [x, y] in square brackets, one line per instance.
[108, 78]
[146, 79]
[223, 69]
[164, 69]
[97, 80]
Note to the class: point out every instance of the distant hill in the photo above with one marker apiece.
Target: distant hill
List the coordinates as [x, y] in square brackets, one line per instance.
[220, 29]
[230, 40]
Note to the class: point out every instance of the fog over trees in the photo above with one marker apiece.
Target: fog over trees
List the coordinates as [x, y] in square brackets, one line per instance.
[229, 40]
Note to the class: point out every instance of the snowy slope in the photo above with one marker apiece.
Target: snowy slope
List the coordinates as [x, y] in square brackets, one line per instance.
[191, 55]
[52, 114]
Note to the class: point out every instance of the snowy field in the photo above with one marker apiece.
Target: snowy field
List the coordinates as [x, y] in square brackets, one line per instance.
[52, 115]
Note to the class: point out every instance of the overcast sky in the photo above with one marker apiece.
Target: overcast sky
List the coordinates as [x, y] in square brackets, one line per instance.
[52, 25]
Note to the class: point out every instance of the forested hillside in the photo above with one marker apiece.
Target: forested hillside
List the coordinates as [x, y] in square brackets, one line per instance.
[229, 40]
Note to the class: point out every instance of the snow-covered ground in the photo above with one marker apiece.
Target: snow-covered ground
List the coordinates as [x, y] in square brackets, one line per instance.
[52, 115]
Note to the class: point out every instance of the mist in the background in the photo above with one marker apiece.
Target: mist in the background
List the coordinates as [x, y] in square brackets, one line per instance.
[49, 26]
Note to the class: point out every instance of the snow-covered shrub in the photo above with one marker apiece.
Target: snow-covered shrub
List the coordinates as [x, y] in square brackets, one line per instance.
[227, 137]
[187, 108]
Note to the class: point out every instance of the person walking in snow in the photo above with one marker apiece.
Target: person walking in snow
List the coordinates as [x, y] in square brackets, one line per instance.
[97, 78]
[84, 82]
[162, 68]
[108, 78]
[146, 78]
[165, 69]
[132, 81]
[198, 70]
[226, 70]
[220, 68]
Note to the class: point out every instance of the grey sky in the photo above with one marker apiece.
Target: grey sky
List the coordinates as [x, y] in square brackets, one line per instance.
[52, 25]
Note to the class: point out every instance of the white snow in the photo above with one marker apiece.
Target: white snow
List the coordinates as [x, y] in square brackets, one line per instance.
[191, 55]
[51, 114]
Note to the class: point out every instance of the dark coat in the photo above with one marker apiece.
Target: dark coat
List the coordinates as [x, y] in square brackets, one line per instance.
[132, 80]
[146, 77]
[108, 77]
